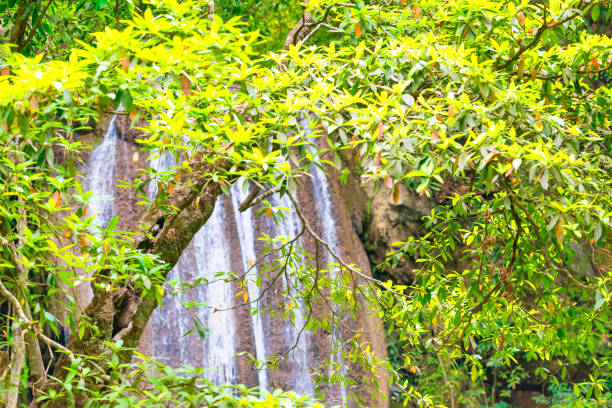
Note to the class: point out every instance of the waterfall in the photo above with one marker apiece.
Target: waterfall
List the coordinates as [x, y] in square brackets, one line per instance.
[212, 256]
[328, 224]
[101, 169]
[289, 228]
[209, 255]
[175, 347]
[246, 235]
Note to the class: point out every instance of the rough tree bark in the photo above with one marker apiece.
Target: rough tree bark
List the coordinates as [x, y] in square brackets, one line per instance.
[301, 29]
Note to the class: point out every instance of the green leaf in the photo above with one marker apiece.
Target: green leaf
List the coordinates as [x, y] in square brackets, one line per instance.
[595, 12]
[112, 224]
[599, 301]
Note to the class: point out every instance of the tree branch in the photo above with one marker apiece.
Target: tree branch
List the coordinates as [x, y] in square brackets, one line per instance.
[35, 27]
[252, 201]
[533, 41]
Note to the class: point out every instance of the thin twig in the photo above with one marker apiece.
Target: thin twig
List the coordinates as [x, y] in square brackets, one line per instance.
[27, 322]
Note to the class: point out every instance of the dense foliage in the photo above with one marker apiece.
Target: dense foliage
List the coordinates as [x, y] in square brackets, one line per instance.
[498, 112]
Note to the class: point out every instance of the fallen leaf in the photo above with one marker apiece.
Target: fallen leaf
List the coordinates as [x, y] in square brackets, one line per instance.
[83, 241]
[34, 102]
[491, 156]
[501, 340]
[521, 68]
[388, 182]
[456, 163]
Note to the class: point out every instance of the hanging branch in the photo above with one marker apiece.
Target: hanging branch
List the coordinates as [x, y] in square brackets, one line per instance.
[27, 322]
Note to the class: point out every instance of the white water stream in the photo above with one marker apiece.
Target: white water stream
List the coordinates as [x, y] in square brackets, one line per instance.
[210, 255]
[324, 205]
[289, 228]
[246, 235]
[101, 169]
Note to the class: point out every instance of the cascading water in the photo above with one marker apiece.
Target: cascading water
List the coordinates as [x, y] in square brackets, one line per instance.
[246, 235]
[289, 228]
[101, 168]
[212, 256]
[208, 256]
[325, 206]
[172, 347]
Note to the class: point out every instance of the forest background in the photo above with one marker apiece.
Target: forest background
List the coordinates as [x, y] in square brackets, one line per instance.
[497, 114]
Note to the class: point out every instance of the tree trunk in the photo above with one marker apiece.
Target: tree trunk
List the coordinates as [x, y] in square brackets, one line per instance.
[12, 398]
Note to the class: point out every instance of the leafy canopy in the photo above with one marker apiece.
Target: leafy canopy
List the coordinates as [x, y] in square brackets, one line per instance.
[497, 111]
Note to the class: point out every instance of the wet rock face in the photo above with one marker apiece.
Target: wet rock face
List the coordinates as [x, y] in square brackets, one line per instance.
[389, 222]
[235, 329]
